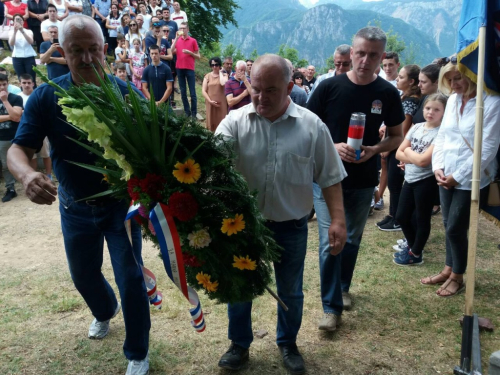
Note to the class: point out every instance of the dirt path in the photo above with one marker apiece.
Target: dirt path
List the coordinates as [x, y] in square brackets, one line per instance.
[30, 234]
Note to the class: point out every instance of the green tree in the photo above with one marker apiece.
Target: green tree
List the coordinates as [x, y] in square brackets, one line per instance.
[394, 42]
[211, 50]
[410, 55]
[206, 16]
[230, 50]
[330, 63]
[254, 55]
[291, 54]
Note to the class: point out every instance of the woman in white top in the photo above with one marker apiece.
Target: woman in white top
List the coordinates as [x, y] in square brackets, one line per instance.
[133, 33]
[452, 160]
[74, 6]
[62, 8]
[23, 54]
[113, 22]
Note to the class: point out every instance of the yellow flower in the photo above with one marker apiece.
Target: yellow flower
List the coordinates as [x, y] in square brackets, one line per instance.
[244, 263]
[233, 226]
[188, 172]
[204, 279]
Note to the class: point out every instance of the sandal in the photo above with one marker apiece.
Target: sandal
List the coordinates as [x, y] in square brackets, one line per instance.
[444, 288]
[434, 282]
[436, 211]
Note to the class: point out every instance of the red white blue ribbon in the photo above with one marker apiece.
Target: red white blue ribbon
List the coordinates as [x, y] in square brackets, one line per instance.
[155, 296]
[170, 247]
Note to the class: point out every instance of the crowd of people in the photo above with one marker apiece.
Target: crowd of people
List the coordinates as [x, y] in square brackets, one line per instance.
[290, 129]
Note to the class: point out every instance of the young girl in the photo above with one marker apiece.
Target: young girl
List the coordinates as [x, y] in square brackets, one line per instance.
[138, 61]
[419, 189]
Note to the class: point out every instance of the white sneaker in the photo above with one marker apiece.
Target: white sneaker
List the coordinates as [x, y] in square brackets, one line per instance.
[402, 242]
[99, 330]
[399, 247]
[138, 367]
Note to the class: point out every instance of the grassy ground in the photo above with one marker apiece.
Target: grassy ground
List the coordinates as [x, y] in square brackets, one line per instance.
[396, 326]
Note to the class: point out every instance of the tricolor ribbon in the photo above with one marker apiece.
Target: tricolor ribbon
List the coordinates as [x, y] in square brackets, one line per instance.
[155, 296]
[170, 247]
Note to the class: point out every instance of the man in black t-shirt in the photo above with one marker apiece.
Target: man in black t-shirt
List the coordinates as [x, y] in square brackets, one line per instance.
[11, 109]
[359, 90]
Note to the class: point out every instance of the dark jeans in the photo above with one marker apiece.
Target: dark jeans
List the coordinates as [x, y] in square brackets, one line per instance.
[84, 230]
[289, 271]
[184, 75]
[455, 207]
[37, 37]
[414, 211]
[24, 65]
[112, 44]
[395, 179]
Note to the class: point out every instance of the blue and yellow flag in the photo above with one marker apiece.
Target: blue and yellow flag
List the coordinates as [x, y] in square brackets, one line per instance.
[477, 13]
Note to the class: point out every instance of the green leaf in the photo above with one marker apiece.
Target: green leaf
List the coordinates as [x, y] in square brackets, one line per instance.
[87, 147]
[98, 195]
[97, 169]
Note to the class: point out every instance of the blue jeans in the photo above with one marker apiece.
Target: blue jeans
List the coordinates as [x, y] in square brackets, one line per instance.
[336, 271]
[183, 75]
[289, 271]
[84, 230]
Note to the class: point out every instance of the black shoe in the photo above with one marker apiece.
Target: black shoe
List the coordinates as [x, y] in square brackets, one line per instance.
[235, 358]
[292, 359]
[177, 91]
[9, 195]
[385, 220]
[391, 226]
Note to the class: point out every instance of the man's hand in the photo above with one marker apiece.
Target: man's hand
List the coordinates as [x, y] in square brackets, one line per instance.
[39, 188]
[54, 46]
[337, 237]
[346, 152]
[4, 95]
[367, 153]
[187, 51]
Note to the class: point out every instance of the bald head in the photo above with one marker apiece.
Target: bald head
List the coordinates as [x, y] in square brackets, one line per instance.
[273, 62]
[78, 21]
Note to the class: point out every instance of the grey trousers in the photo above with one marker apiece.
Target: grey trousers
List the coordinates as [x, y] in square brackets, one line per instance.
[9, 179]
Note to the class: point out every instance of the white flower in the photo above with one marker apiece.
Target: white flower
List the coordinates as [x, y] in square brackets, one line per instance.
[199, 239]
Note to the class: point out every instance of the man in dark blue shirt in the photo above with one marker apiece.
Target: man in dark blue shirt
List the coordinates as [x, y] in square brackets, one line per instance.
[56, 64]
[157, 76]
[85, 222]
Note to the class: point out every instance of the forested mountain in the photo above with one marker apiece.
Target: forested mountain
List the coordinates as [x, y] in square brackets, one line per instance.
[266, 24]
[436, 18]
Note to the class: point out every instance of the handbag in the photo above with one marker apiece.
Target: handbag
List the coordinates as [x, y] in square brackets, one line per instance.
[494, 187]
[5, 29]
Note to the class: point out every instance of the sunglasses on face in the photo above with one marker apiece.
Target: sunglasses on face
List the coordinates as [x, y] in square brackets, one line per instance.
[213, 65]
[133, 24]
[345, 64]
[166, 31]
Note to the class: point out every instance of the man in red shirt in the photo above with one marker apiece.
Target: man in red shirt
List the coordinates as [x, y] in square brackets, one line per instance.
[186, 49]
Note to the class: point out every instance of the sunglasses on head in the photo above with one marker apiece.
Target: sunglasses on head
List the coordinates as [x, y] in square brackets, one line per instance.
[156, 24]
[344, 64]
[212, 65]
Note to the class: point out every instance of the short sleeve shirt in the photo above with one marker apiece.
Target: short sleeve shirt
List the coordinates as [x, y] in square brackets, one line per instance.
[336, 98]
[54, 70]
[157, 77]
[236, 88]
[43, 118]
[280, 159]
[47, 23]
[185, 60]
[421, 139]
[8, 128]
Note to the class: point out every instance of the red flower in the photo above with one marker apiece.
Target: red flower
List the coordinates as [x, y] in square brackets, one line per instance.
[153, 186]
[183, 206]
[190, 260]
[132, 184]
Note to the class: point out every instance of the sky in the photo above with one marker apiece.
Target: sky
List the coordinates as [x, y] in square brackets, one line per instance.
[315, 1]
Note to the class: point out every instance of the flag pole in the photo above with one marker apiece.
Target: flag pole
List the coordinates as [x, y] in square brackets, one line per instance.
[467, 329]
